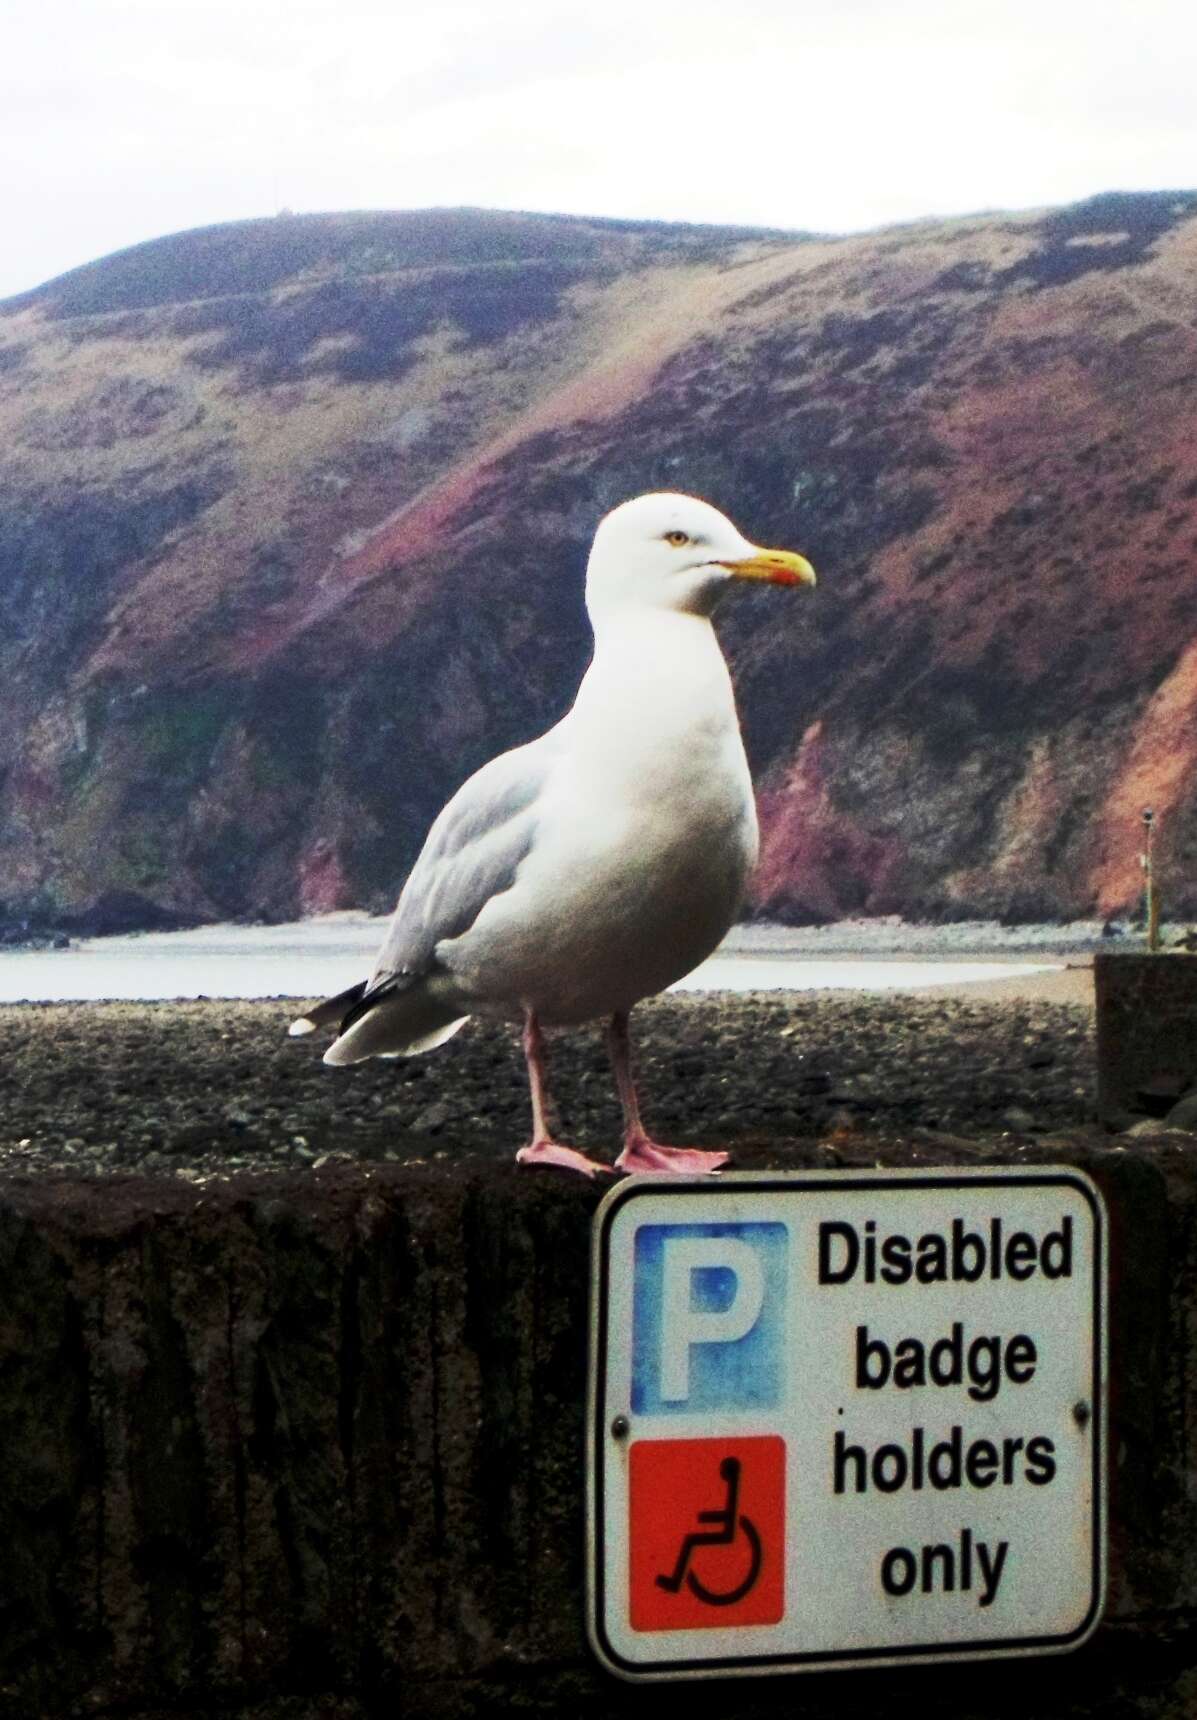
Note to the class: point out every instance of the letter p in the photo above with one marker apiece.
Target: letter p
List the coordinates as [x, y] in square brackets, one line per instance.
[683, 1324]
[709, 1316]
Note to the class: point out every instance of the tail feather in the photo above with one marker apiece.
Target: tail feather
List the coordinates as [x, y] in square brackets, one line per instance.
[392, 1032]
[395, 1018]
[398, 1018]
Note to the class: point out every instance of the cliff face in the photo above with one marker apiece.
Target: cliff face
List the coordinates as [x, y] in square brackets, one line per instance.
[293, 520]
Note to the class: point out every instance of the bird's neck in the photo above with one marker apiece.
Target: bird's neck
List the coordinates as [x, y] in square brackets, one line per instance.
[663, 666]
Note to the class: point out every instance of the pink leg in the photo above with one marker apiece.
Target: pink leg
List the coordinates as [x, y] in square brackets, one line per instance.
[639, 1152]
[543, 1149]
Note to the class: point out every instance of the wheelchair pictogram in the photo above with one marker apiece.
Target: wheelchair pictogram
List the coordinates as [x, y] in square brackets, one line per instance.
[706, 1532]
[724, 1533]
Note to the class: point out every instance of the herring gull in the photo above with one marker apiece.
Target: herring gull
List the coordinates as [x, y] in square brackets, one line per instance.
[571, 877]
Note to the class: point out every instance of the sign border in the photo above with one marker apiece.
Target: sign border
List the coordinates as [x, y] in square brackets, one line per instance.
[931, 1177]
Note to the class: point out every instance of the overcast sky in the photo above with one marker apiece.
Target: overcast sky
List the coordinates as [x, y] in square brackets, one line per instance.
[121, 120]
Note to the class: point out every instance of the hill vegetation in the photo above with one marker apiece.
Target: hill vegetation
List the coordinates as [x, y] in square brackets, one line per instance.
[293, 520]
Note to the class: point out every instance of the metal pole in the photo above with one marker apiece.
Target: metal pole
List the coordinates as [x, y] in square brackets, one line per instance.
[1153, 906]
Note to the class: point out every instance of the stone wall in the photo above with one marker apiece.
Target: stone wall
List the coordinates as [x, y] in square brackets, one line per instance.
[310, 1447]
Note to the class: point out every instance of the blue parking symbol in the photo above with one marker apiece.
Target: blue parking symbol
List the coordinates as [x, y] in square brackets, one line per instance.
[708, 1317]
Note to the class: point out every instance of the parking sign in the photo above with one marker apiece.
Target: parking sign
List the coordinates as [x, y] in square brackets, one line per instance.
[845, 1419]
[706, 1316]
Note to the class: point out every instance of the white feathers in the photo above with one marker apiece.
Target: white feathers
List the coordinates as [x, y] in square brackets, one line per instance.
[603, 861]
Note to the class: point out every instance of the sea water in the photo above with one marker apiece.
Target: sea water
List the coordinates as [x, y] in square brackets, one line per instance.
[316, 958]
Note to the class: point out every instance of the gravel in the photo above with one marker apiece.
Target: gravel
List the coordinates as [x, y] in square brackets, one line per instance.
[207, 1089]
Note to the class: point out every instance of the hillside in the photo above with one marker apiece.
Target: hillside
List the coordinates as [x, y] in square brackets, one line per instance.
[293, 518]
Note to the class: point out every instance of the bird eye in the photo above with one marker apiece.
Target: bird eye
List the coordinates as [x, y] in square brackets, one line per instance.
[677, 539]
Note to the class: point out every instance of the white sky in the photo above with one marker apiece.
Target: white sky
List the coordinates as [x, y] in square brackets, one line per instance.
[121, 120]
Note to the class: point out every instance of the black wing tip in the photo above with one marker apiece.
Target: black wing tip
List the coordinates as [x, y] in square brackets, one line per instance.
[367, 999]
[328, 1013]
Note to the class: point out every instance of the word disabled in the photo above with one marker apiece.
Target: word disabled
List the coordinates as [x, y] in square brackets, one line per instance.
[846, 1419]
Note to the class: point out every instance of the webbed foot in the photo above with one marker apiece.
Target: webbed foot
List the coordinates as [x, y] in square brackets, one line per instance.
[641, 1154]
[546, 1152]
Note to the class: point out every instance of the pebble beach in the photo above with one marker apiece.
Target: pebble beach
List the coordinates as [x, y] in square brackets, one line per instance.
[212, 1088]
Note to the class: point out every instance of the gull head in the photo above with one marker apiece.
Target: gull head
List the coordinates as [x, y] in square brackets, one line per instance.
[665, 551]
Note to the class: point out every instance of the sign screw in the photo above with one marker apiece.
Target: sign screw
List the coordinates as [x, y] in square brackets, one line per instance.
[1081, 1413]
[620, 1427]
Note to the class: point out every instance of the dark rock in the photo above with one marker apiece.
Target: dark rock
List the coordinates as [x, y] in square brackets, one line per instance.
[817, 1082]
[1016, 1118]
[1183, 1114]
[28, 935]
[432, 1119]
[116, 911]
[1158, 1091]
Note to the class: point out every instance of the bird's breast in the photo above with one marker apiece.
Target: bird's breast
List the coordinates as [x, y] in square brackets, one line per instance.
[645, 833]
[626, 889]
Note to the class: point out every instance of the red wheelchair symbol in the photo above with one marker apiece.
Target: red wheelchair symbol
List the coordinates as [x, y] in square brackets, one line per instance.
[707, 1532]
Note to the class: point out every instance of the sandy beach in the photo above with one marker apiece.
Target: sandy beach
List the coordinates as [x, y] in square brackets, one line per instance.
[1072, 984]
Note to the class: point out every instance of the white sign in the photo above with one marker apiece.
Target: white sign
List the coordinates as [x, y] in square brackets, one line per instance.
[846, 1418]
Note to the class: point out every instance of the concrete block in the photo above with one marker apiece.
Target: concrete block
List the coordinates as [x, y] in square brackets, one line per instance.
[310, 1446]
[1146, 1032]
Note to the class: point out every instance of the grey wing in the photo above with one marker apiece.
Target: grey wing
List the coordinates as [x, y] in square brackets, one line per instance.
[472, 853]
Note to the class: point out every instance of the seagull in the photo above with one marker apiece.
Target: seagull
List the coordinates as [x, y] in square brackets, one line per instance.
[571, 877]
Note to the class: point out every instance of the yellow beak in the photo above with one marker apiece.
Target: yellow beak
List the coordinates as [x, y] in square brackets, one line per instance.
[778, 566]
